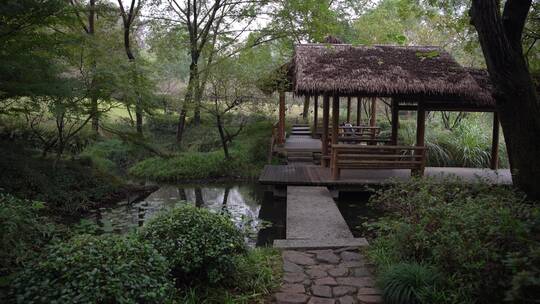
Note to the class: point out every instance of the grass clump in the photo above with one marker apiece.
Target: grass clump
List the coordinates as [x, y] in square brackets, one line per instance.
[470, 234]
[409, 283]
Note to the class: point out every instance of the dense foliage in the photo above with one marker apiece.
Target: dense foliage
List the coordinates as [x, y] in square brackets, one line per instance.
[89, 269]
[482, 239]
[24, 230]
[65, 186]
[199, 244]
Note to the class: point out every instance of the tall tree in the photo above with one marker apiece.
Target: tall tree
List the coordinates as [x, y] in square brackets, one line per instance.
[500, 34]
[204, 20]
[89, 28]
[129, 14]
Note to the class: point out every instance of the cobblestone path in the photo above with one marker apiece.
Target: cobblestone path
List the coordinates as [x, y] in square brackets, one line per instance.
[331, 276]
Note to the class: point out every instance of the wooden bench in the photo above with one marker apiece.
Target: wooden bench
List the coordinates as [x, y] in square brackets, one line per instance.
[346, 156]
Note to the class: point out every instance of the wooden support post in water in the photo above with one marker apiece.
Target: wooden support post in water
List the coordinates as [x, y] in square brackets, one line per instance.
[358, 110]
[395, 122]
[324, 139]
[335, 132]
[315, 115]
[349, 109]
[494, 164]
[281, 125]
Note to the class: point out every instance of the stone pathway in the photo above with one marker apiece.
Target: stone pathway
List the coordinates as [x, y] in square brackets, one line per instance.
[331, 276]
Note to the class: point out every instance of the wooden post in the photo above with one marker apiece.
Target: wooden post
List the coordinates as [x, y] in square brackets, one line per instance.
[359, 111]
[335, 132]
[421, 134]
[494, 164]
[305, 112]
[315, 115]
[349, 109]
[324, 139]
[395, 122]
[281, 128]
[373, 120]
[420, 126]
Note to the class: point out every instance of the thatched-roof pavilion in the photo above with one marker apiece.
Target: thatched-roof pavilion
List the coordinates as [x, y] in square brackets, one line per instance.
[417, 78]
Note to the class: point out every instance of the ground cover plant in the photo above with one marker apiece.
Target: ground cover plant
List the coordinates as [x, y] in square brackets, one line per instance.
[481, 239]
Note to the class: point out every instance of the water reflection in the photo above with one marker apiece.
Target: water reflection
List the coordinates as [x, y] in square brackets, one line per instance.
[248, 205]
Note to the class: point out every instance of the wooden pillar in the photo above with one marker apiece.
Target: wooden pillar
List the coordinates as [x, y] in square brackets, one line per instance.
[395, 122]
[315, 115]
[373, 120]
[358, 110]
[348, 109]
[335, 120]
[494, 164]
[281, 125]
[420, 127]
[335, 133]
[324, 139]
[305, 112]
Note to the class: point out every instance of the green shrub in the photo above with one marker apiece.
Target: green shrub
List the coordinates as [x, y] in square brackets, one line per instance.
[408, 283]
[23, 231]
[199, 244]
[90, 269]
[110, 155]
[467, 232]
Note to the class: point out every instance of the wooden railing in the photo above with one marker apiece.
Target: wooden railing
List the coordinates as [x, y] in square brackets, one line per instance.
[377, 157]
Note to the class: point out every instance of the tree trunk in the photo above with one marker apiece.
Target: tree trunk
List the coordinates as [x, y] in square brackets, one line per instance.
[517, 101]
[95, 114]
[222, 136]
[193, 74]
[139, 117]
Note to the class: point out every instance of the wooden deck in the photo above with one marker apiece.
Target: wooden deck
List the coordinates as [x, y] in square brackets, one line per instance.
[319, 176]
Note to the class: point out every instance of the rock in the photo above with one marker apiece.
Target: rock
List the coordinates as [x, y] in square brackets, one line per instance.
[369, 299]
[293, 288]
[339, 291]
[347, 300]
[338, 272]
[316, 273]
[292, 277]
[317, 300]
[291, 267]
[326, 281]
[298, 258]
[340, 250]
[360, 272]
[323, 267]
[290, 298]
[327, 256]
[321, 291]
[348, 256]
[357, 282]
[368, 291]
[351, 264]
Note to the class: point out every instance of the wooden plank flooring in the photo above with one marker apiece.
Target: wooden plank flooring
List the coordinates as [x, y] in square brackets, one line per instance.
[319, 176]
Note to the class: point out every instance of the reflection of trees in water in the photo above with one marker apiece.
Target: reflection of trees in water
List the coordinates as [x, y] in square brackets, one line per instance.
[198, 197]
[182, 194]
[226, 197]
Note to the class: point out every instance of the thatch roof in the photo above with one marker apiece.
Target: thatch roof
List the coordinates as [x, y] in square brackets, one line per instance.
[411, 72]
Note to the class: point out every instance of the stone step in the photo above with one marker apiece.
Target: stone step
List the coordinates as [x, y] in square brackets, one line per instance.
[320, 244]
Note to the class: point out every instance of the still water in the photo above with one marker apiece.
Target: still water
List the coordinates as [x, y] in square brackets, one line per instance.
[248, 205]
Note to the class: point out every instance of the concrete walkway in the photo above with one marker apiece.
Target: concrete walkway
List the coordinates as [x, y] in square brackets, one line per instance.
[314, 221]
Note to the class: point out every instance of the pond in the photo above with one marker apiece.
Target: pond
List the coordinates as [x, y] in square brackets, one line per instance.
[248, 204]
